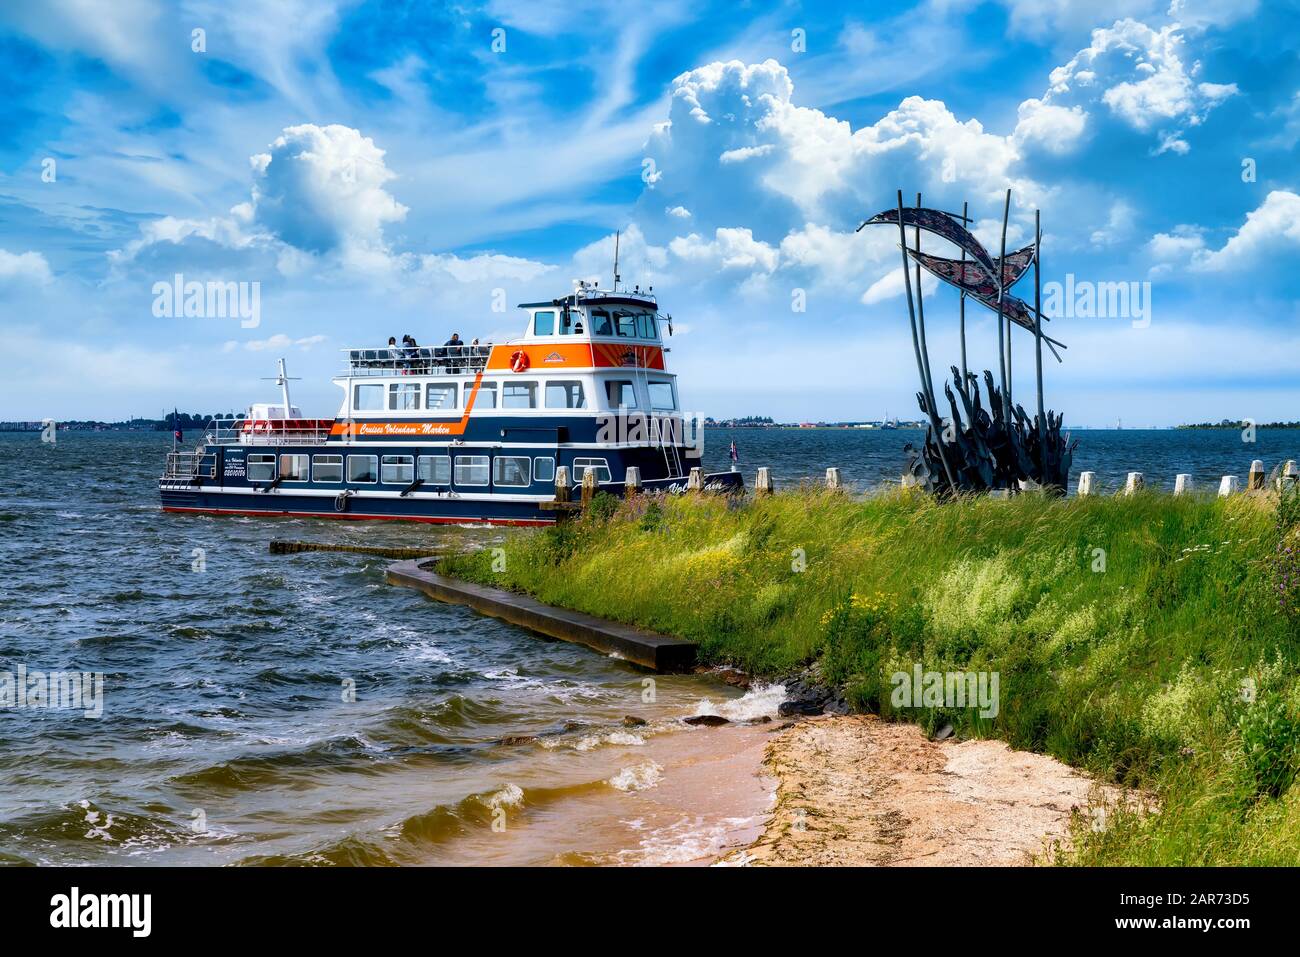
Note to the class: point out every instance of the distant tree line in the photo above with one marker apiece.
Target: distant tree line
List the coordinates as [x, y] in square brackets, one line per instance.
[1240, 424]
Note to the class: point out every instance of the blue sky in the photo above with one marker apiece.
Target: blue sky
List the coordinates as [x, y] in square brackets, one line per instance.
[383, 168]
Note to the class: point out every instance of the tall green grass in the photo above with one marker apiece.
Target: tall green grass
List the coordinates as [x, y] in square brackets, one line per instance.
[1141, 638]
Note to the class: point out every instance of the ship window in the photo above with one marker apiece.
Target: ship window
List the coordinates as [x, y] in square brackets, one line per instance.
[327, 468]
[600, 325]
[565, 394]
[368, 397]
[486, 397]
[512, 470]
[626, 324]
[434, 469]
[404, 396]
[363, 468]
[566, 322]
[471, 470]
[294, 467]
[440, 395]
[599, 466]
[645, 326]
[661, 395]
[544, 469]
[261, 468]
[544, 323]
[622, 394]
[397, 470]
[519, 395]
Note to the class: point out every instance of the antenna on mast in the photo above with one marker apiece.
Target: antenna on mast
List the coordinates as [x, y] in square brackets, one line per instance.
[617, 232]
[283, 380]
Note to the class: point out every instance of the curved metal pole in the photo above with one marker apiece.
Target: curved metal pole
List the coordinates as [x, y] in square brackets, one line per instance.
[916, 342]
[920, 315]
[961, 315]
[1003, 333]
[1038, 340]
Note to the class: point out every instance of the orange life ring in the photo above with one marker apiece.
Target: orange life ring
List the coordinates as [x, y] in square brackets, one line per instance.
[519, 361]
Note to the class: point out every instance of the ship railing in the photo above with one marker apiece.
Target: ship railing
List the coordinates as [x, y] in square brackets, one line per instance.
[241, 430]
[418, 360]
[186, 466]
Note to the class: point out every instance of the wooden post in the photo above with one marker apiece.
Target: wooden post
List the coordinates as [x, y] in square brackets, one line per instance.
[1133, 483]
[632, 483]
[588, 487]
[1289, 474]
[763, 482]
[1087, 480]
[1229, 485]
[562, 484]
[1182, 483]
[1255, 480]
[833, 479]
[695, 480]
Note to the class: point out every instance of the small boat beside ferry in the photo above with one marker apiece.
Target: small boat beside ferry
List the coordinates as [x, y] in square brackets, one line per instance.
[464, 433]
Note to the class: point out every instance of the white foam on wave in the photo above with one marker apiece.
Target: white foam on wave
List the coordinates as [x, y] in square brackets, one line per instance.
[760, 701]
[638, 777]
[686, 841]
[624, 738]
[511, 795]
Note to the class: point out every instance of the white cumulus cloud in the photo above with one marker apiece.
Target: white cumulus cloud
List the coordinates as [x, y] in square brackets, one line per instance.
[321, 188]
[30, 267]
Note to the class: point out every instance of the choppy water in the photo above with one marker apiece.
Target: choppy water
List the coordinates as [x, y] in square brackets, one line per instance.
[225, 736]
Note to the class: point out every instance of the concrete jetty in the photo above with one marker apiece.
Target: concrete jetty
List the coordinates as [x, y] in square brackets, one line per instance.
[637, 645]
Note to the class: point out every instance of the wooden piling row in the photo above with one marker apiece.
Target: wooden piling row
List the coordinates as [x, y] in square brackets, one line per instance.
[1185, 485]
[764, 484]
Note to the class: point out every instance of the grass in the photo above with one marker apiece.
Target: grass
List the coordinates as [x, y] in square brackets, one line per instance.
[1150, 640]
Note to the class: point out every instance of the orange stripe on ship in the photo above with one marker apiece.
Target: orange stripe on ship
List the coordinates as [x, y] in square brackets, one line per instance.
[415, 429]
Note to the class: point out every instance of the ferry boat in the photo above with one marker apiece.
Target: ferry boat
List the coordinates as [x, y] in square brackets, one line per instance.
[464, 433]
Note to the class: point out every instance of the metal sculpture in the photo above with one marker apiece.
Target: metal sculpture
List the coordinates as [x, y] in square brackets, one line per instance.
[976, 448]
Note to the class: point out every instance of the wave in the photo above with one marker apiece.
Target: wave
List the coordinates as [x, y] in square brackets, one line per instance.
[760, 701]
[638, 777]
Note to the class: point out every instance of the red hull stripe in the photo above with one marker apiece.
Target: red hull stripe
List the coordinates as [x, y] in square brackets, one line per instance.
[356, 515]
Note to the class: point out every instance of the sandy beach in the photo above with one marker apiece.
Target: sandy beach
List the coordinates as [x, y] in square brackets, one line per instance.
[855, 790]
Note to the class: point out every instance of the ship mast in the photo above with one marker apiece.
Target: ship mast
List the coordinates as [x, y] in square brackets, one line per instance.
[282, 380]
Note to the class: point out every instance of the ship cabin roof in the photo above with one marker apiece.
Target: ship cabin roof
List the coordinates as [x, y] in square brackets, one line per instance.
[617, 317]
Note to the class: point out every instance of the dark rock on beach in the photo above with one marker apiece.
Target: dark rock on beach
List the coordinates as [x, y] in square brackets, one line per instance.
[805, 695]
[709, 720]
[631, 722]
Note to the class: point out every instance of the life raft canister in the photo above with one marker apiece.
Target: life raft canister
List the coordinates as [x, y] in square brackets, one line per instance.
[518, 361]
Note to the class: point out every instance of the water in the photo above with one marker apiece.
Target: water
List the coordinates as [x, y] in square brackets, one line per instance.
[869, 457]
[225, 736]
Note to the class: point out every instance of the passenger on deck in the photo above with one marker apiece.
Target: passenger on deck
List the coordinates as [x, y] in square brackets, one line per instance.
[394, 353]
[454, 351]
[412, 354]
